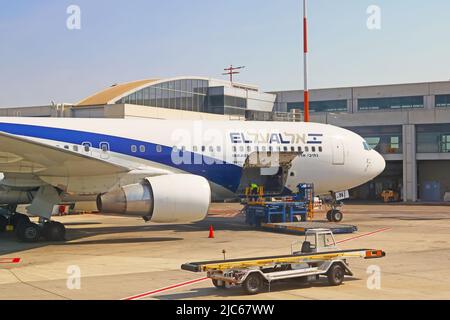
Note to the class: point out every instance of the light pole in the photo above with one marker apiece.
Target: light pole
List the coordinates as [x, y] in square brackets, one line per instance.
[305, 63]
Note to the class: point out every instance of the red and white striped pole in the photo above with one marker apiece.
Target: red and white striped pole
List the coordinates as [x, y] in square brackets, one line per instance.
[305, 63]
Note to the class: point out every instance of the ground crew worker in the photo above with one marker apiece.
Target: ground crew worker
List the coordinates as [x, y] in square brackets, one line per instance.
[254, 191]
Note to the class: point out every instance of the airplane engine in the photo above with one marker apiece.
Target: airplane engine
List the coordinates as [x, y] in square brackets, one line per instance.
[177, 198]
[13, 197]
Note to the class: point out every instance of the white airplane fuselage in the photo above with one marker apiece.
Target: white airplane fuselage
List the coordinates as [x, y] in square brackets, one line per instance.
[332, 158]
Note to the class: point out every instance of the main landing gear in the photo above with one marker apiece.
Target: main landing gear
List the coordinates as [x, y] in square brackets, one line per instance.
[28, 231]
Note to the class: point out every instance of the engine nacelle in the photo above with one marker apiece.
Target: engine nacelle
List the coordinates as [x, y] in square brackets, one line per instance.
[177, 198]
[13, 197]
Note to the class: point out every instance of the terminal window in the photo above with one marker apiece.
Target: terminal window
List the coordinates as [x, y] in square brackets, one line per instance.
[443, 100]
[391, 103]
[445, 143]
[320, 106]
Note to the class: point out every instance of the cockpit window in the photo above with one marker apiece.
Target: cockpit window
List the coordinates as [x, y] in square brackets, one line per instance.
[366, 146]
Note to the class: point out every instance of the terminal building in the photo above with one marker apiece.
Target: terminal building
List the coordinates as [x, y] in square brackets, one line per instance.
[409, 124]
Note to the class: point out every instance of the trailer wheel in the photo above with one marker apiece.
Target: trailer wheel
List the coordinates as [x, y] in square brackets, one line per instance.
[336, 275]
[253, 284]
[218, 283]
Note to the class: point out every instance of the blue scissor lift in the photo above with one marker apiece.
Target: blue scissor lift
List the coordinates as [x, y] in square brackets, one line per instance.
[259, 210]
[291, 214]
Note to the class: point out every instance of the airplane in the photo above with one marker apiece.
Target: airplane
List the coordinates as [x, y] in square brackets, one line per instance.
[166, 171]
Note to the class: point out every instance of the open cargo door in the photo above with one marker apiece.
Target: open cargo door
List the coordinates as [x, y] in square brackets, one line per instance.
[268, 169]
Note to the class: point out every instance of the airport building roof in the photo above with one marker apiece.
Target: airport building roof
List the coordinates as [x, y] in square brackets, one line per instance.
[110, 94]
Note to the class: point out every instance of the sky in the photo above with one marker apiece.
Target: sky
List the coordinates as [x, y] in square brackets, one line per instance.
[41, 60]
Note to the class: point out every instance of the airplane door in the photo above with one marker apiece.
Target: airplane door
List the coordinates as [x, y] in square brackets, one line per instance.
[338, 151]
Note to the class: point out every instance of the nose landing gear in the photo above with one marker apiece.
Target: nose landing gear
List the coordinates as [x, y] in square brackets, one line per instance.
[335, 215]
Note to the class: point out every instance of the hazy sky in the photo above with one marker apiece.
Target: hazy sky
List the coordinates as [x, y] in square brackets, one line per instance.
[41, 60]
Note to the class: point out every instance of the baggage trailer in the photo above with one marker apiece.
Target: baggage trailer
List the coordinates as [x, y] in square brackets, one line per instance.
[318, 257]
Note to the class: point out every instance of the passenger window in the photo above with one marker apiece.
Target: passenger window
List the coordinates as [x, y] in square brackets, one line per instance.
[158, 149]
[133, 149]
[263, 149]
[313, 149]
[241, 148]
[219, 149]
[211, 149]
[293, 149]
[320, 149]
[292, 174]
[66, 147]
[194, 148]
[249, 149]
[203, 148]
[142, 149]
[299, 149]
[306, 149]
[104, 146]
[75, 148]
[234, 149]
[285, 149]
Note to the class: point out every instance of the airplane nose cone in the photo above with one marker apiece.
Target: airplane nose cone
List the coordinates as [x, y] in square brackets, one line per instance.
[378, 164]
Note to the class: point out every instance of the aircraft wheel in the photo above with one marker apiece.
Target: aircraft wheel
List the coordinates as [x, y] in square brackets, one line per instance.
[337, 216]
[329, 218]
[54, 231]
[3, 223]
[18, 218]
[253, 284]
[28, 232]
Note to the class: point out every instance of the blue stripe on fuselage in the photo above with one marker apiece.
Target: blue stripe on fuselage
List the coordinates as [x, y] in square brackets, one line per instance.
[224, 174]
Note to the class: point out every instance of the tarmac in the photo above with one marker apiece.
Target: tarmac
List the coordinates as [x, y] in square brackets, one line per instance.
[125, 258]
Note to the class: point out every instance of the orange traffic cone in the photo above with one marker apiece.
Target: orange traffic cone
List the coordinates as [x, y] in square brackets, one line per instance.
[211, 232]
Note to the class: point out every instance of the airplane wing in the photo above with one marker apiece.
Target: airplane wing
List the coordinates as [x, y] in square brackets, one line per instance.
[21, 155]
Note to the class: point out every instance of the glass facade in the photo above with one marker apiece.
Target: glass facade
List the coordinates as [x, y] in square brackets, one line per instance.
[186, 94]
[320, 106]
[220, 103]
[433, 138]
[385, 140]
[443, 100]
[189, 95]
[391, 103]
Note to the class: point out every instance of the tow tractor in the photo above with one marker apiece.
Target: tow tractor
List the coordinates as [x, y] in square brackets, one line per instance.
[318, 257]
